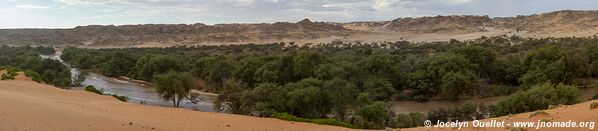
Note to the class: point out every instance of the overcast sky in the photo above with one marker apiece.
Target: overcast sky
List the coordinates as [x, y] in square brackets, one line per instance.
[70, 13]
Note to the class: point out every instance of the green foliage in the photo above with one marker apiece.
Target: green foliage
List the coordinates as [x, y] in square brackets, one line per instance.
[339, 79]
[174, 86]
[149, 65]
[90, 88]
[538, 113]
[33, 75]
[80, 78]
[373, 116]
[538, 97]
[121, 98]
[10, 74]
[456, 84]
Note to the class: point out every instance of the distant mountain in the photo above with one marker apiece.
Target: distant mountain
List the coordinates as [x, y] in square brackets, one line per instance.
[152, 35]
[558, 21]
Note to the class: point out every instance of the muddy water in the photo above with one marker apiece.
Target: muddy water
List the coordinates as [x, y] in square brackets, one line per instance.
[137, 93]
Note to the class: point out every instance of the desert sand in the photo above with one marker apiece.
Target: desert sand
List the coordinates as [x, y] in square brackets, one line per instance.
[27, 105]
[576, 113]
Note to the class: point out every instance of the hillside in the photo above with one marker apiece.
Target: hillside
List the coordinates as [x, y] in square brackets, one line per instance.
[27, 105]
[439, 28]
[440, 24]
[576, 113]
[559, 21]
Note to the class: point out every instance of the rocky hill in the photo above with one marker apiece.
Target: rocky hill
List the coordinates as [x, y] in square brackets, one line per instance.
[558, 21]
[561, 23]
[171, 34]
[442, 24]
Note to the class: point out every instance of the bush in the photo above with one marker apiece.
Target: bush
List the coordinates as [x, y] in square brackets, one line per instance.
[90, 88]
[333, 122]
[498, 90]
[121, 98]
[34, 76]
[538, 113]
[374, 116]
[10, 74]
[404, 121]
[594, 105]
[538, 97]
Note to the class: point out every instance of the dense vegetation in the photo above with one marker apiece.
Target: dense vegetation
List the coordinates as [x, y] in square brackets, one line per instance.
[351, 81]
[41, 70]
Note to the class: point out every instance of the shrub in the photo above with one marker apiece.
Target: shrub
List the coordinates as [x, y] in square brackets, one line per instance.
[7, 77]
[90, 88]
[404, 121]
[536, 98]
[10, 74]
[498, 90]
[333, 122]
[34, 76]
[594, 105]
[121, 98]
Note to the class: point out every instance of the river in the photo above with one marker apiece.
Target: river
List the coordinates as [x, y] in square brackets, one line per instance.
[140, 93]
[136, 92]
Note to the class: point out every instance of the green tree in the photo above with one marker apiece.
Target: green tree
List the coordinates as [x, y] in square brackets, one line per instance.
[80, 78]
[231, 98]
[174, 86]
[373, 116]
[342, 96]
[455, 84]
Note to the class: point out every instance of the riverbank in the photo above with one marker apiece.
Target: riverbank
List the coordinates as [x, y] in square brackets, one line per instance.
[27, 105]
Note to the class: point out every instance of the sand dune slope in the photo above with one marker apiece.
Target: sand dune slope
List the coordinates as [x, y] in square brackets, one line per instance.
[577, 113]
[26, 105]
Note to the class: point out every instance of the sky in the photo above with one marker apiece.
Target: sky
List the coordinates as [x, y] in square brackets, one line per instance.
[71, 13]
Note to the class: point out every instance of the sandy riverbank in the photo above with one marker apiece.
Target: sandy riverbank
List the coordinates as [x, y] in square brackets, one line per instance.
[27, 105]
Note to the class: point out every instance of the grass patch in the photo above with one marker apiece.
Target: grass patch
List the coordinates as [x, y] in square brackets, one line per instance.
[538, 113]
[333, 122]
[594, 105]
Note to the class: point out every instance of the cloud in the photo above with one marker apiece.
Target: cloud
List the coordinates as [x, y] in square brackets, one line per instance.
[29, 7]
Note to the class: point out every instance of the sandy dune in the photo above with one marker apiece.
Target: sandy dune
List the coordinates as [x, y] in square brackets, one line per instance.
[27, 105]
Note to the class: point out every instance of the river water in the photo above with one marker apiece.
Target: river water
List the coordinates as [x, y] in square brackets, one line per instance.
[136, 92]
[141, 93]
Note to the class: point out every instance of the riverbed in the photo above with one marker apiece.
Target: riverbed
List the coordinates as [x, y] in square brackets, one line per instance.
[136, 92]
[143, 94]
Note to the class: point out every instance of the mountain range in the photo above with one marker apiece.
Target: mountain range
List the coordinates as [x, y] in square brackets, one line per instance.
[436, 28]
